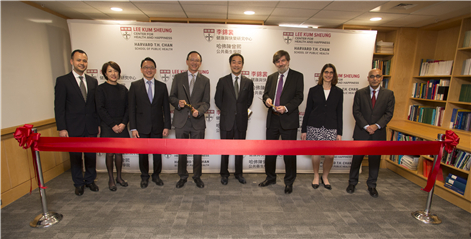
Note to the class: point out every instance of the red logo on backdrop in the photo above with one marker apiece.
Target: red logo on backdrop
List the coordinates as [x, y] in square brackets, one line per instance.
[126, 32]
[165, 75]
[209, 115]
[208, 34]
[92, 72]
[288, 37]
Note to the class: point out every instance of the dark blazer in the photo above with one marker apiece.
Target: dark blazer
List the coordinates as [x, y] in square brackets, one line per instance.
[320, 112]
[199, 100]
[145, 116]
[364, 113]
[291, 97]
[232, 109]
[72, 112]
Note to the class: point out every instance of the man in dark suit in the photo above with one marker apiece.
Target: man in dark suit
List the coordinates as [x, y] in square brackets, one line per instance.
[373, 108]
[283, 94]
[234, 96]
[74, 108]
[149, 116]
[190, 97]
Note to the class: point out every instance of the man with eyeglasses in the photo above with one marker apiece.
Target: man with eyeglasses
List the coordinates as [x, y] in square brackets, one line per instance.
[149, 116]
[190, 97]
[373, 108]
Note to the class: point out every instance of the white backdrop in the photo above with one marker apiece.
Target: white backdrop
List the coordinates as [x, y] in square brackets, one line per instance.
[169, 43]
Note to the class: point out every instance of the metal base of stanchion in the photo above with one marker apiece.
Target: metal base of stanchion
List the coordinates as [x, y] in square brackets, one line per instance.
[426, 217]
[46, 220]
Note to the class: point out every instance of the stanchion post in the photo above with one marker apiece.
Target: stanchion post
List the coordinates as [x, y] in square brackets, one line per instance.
[47, 218]
[426, 216]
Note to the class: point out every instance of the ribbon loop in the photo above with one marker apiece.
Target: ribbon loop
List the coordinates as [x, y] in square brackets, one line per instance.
[451, 140]
[26, 138]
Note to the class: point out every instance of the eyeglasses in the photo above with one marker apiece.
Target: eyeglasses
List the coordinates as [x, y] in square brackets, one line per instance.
[375, 76]
[194, 60]
[328, 72]
[148, 68]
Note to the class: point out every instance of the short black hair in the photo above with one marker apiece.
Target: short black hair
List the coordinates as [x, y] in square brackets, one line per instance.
[191, 52]
[148, 59]
[236, 54]
[79, 51]
[113, 65]
[279, 54]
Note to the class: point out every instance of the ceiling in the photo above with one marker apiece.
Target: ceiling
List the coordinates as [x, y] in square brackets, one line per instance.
[311, 13]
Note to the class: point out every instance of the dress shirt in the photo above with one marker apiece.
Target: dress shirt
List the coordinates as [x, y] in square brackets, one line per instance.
[285, 76]
[371, 97]
[147, 86]
[234, 79]
[190, 77]
[78, 79]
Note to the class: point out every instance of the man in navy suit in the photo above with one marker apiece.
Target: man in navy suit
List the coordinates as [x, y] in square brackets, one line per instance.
[282, 96]
[76, 116]
[149, 116]
[234, 96]
[373, 108]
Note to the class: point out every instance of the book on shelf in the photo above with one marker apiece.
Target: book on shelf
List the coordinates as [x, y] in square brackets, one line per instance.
[465, 93]
[384, 47]
[385, 83]
[467, 39]
[410, 162]
[466, 70]
[431, 67]
[460, 119]
[384, 66]
[426, 114]
[427, 166]
[457, 158]
[434, 89]
[454, 188]
[455, 183]
[399, 136]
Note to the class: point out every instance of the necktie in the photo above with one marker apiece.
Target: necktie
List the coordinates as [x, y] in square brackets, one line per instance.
[82, 88]
[149, 91]
[373, 99]
[192, 83]
[236, 87]
[278, 91]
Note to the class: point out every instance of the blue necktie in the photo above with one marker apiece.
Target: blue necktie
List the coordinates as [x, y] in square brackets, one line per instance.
[149, 91]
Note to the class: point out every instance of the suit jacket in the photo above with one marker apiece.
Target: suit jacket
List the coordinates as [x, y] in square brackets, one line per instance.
[365, 114]
[199, 99]
[291, 97]
[145, 116]
[232, 109]
[72, 112]
[321, 112]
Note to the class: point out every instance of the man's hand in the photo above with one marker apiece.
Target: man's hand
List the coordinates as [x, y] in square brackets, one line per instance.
[280, 109]
[135, 134]
[116, 129]
[195, 113]
[165, 132]
[63, 133]
[339, 137]
[269, 103]
[181, 103]
[121, 127]
[372, 128]
[99, 130]
[303, 136]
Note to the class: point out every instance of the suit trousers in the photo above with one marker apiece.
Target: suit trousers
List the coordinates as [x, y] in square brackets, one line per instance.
[184, 133]
[76, 165]
[273, 133]
[144, 160]
[234, 133]
[374, 162]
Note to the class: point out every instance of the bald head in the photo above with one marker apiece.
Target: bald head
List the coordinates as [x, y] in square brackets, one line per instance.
[375, 77]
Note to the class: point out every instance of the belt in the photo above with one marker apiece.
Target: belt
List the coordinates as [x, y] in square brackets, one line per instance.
[275, 113]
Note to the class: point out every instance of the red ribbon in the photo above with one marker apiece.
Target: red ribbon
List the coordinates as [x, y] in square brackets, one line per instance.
[28, 139]
[451, 140]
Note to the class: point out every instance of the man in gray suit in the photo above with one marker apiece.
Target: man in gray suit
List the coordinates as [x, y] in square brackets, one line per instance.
[234, 96]
[373, 108]
[190, 97]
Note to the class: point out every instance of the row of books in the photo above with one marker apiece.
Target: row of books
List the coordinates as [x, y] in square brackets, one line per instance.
[434, 89]
[465, 93]
[466, 70]
[467, 39]
[455, 183]
[399, 136]
[460, 119]
[426, 114]
[433, 67]
[384, 47]
[384, 66]
[385, 83]
[409, 161]
[457, 158]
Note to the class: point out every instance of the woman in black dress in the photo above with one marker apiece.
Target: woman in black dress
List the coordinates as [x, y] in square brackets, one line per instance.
[112, 107]
[323, 119]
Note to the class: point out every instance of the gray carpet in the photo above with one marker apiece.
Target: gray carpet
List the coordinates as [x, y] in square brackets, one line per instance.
[235, 210]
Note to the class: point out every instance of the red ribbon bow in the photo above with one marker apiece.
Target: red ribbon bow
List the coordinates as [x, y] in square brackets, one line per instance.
[451, 140]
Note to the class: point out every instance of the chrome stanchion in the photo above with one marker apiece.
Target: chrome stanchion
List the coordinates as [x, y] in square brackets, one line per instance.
[46, 219]
[424, 215]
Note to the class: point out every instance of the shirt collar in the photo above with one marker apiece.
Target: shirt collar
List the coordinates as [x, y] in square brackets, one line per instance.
[377, 89]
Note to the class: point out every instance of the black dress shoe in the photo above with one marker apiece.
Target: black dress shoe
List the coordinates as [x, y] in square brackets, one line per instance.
[79, 191]
[288, 189]
[328, 186]
[144, 183]
[224, 180]
[351, 188]
[122, 183]
[92, 186]
[113, 188]
[266, 183]
[199, 183]
[241, 179]
[158, 181]
[315, 186]
[373, 192]
[181, 183]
